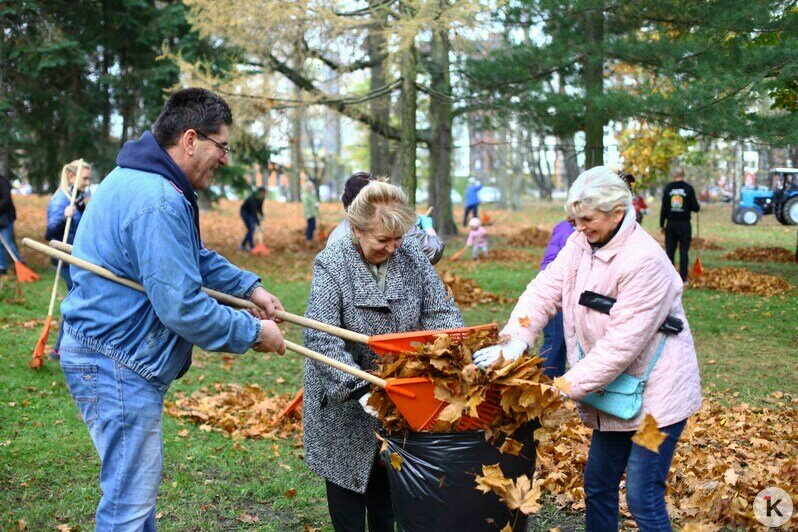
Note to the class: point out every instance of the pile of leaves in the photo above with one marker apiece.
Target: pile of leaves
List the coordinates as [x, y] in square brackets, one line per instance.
[238, 412]
[725, 456]
[530, 237]
[466, 292]
[518, 389]
[761, 254]
[512, 255]
[705, 244]
[741, 281]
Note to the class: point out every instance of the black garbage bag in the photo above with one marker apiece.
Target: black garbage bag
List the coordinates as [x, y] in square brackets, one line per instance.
[435, 488]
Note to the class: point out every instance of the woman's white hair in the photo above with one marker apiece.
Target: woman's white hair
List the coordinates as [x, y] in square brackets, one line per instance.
[381, 206]
[597, 189]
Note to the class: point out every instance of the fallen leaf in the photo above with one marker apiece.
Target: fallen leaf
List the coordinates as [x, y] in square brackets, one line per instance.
[249, 519]
[649, 435]
[511, 446]
[730, 477]
[290, 494]
[524, 321]
[561, 384]
[397, 461]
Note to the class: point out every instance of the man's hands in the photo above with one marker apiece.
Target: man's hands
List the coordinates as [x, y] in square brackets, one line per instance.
[510, 349]
[271, 338]
[267, 304]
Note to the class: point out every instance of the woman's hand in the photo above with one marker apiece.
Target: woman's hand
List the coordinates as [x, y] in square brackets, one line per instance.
[271, 339]
[510, 349]
[69, 211]
[364, 403]
[267, 304]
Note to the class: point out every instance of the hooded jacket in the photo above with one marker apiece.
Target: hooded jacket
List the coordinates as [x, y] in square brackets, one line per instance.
[632, 268]
[142, 223]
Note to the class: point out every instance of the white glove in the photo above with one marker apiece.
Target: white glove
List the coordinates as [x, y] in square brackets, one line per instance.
[510, 349]
[364, 403]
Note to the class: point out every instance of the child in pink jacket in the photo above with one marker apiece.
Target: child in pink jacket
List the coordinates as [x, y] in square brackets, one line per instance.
[477, 238]
[610, 254]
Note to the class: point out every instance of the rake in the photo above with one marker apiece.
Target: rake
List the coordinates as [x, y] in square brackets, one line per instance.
[37, 358]
[24, 274]
[408, 394]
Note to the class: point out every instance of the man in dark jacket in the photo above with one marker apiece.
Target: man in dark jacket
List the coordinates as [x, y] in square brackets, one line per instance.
[252, 213]
[678, 201]
[7, 216]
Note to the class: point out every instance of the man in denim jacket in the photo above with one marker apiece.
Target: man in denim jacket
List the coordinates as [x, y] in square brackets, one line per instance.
[122, 348]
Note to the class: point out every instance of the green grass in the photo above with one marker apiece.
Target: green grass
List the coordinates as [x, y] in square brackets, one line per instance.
[49, 469]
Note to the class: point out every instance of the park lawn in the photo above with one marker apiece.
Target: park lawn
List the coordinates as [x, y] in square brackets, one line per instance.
[747, 346]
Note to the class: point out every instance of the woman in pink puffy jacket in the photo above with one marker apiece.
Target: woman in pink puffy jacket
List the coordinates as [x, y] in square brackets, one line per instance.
[610, 254]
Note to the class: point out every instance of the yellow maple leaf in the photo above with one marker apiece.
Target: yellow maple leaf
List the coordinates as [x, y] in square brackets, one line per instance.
[397, 461]
[492, 479]
[561, 384]
[649, 435]
[524, 321]
[730, 477]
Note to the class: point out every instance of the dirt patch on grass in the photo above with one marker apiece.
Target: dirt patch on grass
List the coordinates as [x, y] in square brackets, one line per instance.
[761, 254]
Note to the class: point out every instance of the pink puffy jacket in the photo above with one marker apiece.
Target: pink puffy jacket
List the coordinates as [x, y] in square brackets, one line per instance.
[633, 269]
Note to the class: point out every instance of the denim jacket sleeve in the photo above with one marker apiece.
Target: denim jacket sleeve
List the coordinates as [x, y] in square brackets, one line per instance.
[56, 220]
[159, 246]
[220, 275]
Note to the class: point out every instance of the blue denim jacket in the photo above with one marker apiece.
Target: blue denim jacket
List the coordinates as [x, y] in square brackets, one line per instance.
[56, 220]
[140, 226]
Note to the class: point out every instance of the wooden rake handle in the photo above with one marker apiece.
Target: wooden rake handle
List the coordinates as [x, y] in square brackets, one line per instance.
[61, 251]
[359, 373]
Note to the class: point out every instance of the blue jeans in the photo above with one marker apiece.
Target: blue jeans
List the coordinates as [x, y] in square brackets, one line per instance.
[472, 210]
[250, 222]
[612, 453]
[8, 236]
[67, 277]
[553, 350]
[123, 414]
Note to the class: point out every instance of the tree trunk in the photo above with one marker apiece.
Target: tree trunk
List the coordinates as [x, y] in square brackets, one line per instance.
[380, 108]
[440, 151]
[570, 164]
[407, 149]
[297, 161]
[593, 78]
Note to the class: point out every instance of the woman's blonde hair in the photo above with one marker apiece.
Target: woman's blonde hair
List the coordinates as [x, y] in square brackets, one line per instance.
[598, 189]
[381, 205]
[71, 168]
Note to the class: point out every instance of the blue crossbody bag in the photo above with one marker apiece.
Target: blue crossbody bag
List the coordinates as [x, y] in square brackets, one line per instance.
[623, 397]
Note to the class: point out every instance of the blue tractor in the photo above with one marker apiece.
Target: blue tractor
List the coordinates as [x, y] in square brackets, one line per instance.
[781, 200]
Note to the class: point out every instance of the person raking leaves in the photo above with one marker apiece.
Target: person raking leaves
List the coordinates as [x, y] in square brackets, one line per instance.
[121, 348]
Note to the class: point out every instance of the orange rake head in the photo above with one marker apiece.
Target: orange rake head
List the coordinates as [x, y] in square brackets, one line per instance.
[698, 268]
[459, 253]
[25, 274]
[383, 344]
[261, 250]
[38, 352]
[294, 405]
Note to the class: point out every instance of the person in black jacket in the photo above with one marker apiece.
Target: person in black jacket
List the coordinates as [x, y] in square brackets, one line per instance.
[678, 201]
[252, 214]
[7, 216]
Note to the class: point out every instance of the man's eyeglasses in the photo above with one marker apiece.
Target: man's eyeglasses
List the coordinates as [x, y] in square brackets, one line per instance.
[225, 149]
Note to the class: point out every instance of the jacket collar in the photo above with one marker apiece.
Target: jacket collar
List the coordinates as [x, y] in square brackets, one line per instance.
[366, 291]
[611, 248]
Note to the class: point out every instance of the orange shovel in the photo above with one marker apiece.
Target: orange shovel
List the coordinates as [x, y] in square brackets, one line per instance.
[414, 397]
[24, 274]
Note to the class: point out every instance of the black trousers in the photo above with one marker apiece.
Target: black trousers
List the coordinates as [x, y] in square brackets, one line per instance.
[310, 229]
[470, 209]
[349, 509]
[679, 233]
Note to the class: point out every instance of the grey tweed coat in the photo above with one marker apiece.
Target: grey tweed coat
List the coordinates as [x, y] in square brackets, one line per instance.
[340, 440]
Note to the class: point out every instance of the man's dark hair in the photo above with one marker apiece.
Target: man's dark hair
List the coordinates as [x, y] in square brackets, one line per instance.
[354, 185]
[194, 108]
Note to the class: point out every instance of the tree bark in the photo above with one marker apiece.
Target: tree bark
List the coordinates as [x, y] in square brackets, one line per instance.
[407, 149]
[379, 108]
[440, 179]
[593, 78]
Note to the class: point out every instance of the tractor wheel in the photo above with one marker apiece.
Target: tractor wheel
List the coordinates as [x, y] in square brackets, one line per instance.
[790, 211]
[736, 216]
[749, 216]
[779, 214]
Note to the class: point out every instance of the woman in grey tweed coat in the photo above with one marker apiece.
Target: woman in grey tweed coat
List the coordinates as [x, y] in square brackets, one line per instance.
[372, 283]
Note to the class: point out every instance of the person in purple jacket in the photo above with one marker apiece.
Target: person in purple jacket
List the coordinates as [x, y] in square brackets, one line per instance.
[553, 349]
